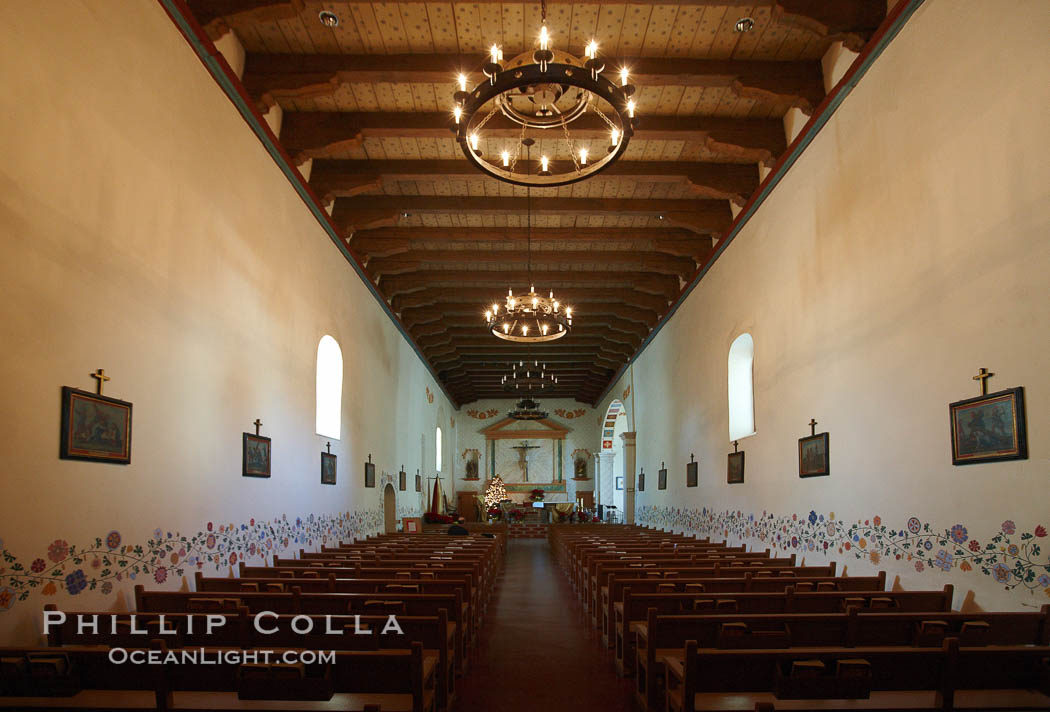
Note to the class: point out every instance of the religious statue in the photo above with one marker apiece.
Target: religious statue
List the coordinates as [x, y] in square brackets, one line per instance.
[523, 455]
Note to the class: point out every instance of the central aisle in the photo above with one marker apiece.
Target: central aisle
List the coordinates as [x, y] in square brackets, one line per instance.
[536, 653]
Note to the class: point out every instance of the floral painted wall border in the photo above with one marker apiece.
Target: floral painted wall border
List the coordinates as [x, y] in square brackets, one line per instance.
[1013, 559]
[109, 562]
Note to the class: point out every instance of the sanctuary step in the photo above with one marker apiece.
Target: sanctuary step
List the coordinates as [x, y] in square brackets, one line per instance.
[527, 530]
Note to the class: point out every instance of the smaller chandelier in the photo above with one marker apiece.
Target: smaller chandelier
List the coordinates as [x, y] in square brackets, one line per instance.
[527, 409]
[525, 378]
[532, 318]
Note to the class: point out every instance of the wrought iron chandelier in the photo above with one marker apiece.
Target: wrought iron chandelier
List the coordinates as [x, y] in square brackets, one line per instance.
[547, 93]
[528, 378]
[531, 318]
[527, 409]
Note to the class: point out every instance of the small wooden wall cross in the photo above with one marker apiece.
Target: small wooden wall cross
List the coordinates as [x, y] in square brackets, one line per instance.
[983, 374]
[100, 374]
[736, 444]
[370, 457]
[329, 446]
[257, 424]
[692, 457]
[812, 427]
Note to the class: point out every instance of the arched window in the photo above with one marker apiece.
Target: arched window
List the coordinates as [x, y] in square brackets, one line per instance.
[329, 387]
[437, 444]
[741, 387]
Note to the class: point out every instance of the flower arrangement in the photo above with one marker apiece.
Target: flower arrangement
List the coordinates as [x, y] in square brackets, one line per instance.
[536, 495]
[433, 518]
[495, 513]
[516, 515]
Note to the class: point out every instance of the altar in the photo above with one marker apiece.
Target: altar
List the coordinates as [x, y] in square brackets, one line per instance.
[528, 455]
[541, 512]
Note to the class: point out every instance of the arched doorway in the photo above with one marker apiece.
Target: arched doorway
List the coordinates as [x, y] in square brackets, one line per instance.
[389, 509]
[613, 484]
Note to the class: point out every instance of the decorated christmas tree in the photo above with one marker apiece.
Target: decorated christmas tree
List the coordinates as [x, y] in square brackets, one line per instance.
[495, 492]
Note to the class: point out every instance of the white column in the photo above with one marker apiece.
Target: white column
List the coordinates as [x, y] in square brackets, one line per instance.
[628, 477]
[603, 487]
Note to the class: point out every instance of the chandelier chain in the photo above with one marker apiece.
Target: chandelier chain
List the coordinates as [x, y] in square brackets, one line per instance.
[571, 146]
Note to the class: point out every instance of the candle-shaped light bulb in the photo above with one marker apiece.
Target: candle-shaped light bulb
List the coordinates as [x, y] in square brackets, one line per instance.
[568, 312]
[535, 302]
[506, 328]
[506, 159]
[543, 163]
[615, 136]
[544, 38]
[583, 156]
[623, 76]
[592, 50]
[556, 305]
[524, 331]
[458, 113]
[494, 54]
[488, 315]
[462, 82]
[495, 308]
[630, 108]
[511, 303]
[510, 292]
[474, 140]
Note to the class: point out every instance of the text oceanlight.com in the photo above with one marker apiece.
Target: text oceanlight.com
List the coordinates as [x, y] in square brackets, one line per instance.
[202, 656]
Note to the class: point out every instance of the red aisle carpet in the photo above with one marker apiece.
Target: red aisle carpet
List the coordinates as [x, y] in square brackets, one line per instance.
[536, 654]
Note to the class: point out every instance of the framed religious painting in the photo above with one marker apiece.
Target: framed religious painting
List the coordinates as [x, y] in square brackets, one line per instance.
[813, 458]
[661, 478]
[619, 484]
[328, 467]
[419, 483]
[94, 427]
[402, 481]
[641, 481]
[692, 476]
[989, 428]
[735, 468]
[255, 455]
[370, 474]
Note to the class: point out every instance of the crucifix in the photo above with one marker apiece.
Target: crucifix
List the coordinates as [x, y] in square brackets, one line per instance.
[523, 453]
[812, 427]
[736, 445]
[257, 424]
[100, 374]
[983, 374]
[329, 446]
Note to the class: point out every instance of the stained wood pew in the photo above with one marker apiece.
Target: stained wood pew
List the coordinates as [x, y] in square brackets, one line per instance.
[475, 567]
[239, 630]
[722, 580]
[601, 606]
[723, 588]
[297, 602]
[267, 576]
[665, 635]
[835, 678]
[636, 608]
[84, 678]
[604, 569]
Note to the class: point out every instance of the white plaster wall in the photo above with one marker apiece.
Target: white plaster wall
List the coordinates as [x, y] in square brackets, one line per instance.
[146, 231]
[905, 249]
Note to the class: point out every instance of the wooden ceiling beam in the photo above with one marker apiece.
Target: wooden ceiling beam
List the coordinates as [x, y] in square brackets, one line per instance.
[642, 305]
[338, 178]
[321, 134]
[461, 313]
[470, 335]
[666, 287]
[455, 326]
[516, 260]
[270, 78]
[702, 216]
[389, 241]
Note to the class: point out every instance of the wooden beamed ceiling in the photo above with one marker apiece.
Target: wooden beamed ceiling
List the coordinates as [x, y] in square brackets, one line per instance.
[364, 111]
